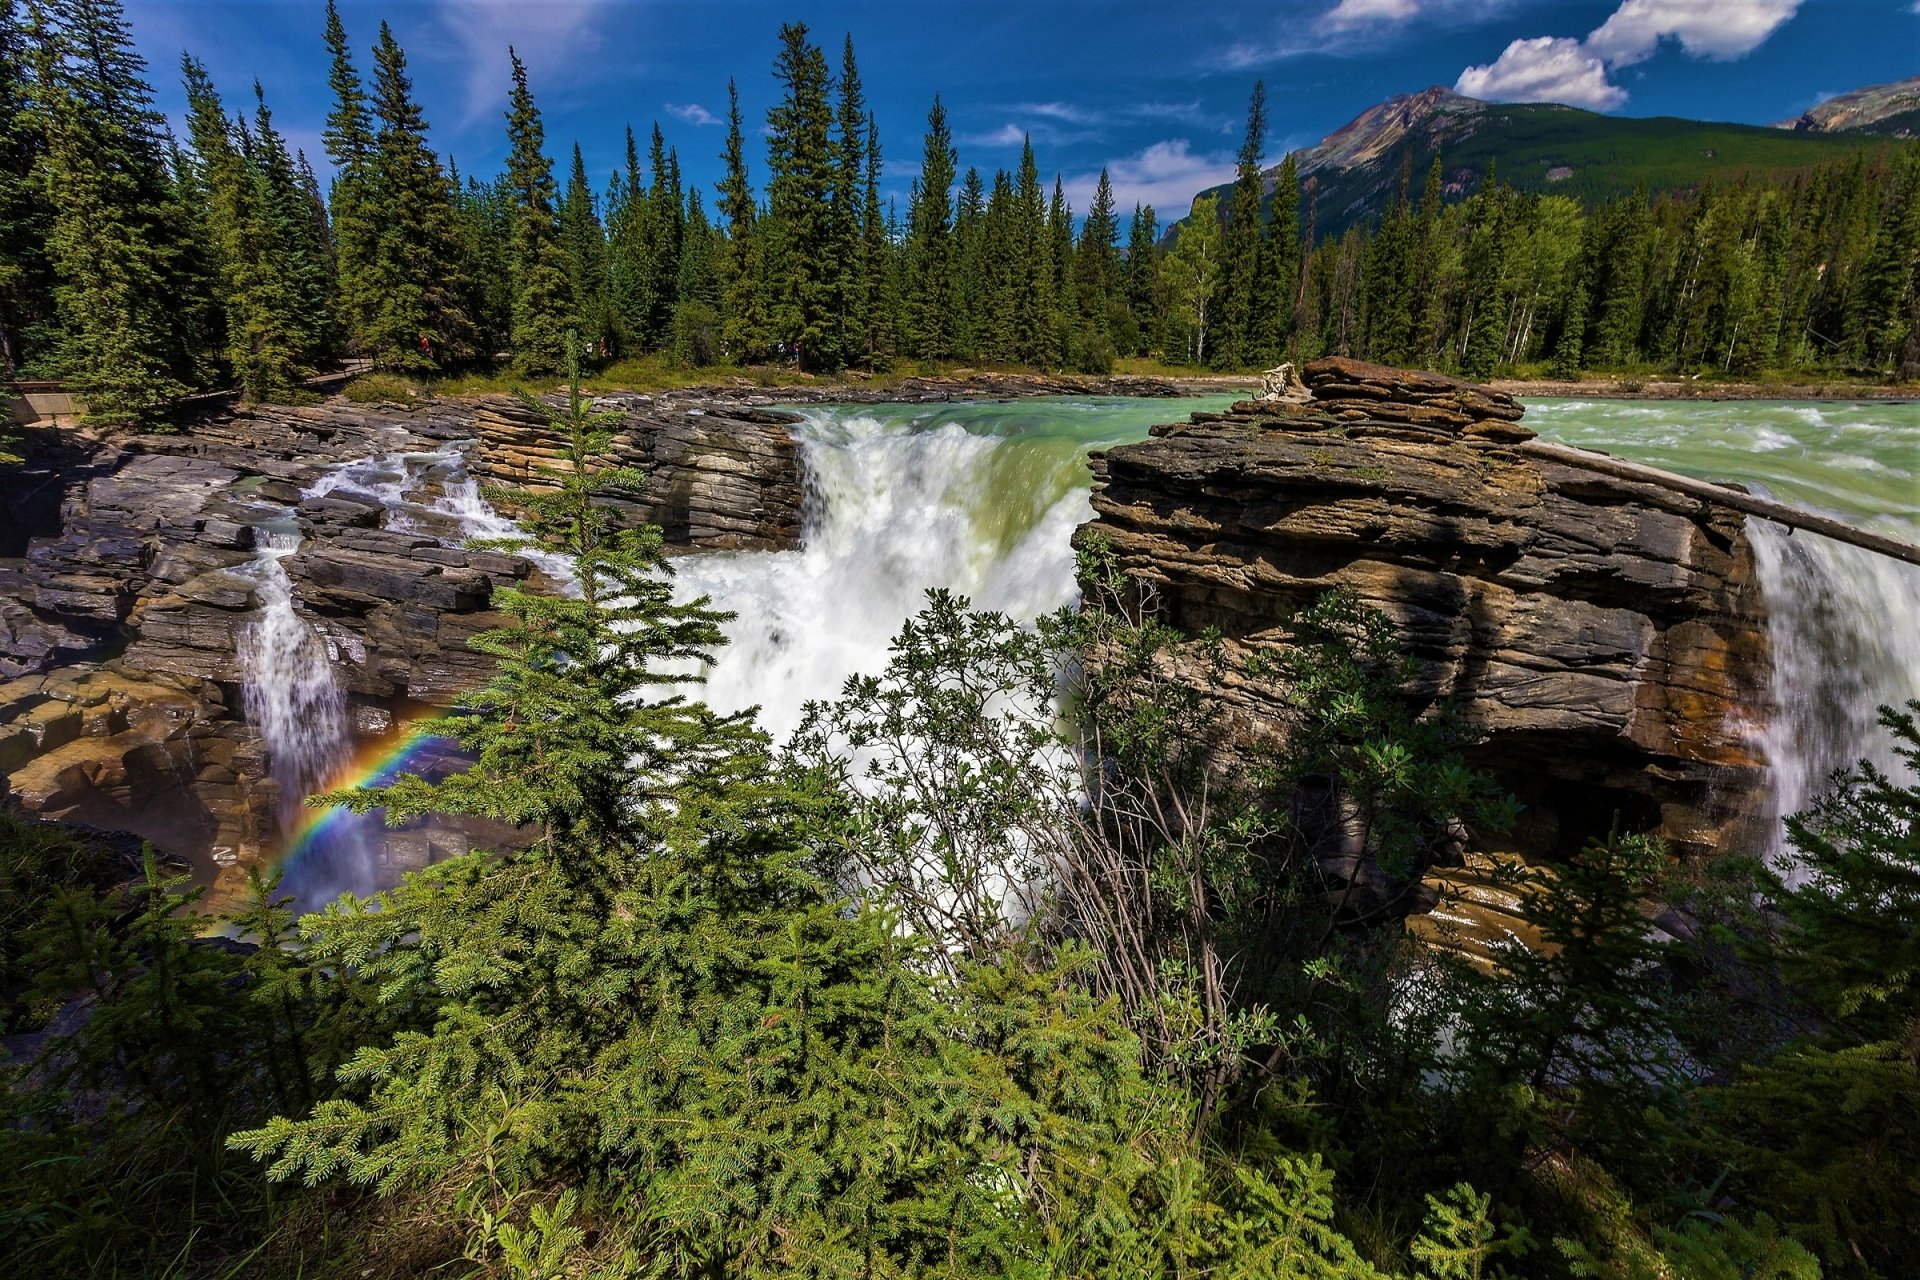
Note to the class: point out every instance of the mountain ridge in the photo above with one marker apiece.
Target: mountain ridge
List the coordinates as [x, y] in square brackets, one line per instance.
[1350, 176]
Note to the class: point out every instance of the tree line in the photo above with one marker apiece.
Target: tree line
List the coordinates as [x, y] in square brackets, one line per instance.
[140, 266]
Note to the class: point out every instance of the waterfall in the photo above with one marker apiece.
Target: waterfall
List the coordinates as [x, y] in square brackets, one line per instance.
[289, 688]
[979, 499]
[1844, 629]
[1843, 623]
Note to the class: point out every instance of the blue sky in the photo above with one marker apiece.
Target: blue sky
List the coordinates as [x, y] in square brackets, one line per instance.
[1155, 92]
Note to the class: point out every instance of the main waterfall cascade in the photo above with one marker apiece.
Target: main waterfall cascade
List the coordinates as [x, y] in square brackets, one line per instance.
[982, 499]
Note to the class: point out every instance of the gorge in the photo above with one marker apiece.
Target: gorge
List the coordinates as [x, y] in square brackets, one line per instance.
[228, 619]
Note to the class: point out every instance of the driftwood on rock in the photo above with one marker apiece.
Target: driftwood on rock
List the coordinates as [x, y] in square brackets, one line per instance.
[1724, 495]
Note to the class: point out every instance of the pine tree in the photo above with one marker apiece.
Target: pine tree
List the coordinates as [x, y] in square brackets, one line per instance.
[485, 218]
[350, 145]
[115, 244]
[1143, 279]
[853, 285]
[805, 275]
[1276, 300]
[27, 321]
[1064, 317]
[297, 224]
[929, 248]
[266, 339]
[1236, 332]
[662, 224]
[743, 326]
[1097, 267]
[696, 307]
[1035, 336]
[543, 303]
[878, 263]
[584, 242]
[416, 318]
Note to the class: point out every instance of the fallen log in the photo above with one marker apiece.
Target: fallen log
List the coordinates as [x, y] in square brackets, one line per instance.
[1726, 496]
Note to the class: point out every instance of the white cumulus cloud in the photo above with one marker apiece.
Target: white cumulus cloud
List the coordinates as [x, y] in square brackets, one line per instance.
[1166, 175]
[1544, 69]
[691, 112]
[1576, 72]
[1721, 30]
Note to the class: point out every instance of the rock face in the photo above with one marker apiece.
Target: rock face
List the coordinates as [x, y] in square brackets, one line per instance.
[718, 475]
[1606, 636]
[131, 571]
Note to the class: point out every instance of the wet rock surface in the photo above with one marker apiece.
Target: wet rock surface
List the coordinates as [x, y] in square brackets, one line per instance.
[1607, 637]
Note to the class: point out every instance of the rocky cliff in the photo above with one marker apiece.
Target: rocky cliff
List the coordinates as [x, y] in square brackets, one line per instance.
[131, 571]
[1605, 636]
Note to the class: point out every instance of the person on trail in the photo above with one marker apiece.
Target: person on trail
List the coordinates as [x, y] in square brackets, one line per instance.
[426, 346]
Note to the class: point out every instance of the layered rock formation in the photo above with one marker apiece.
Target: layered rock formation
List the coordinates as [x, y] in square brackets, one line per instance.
[1605, 636]
[134, 568]
[718, 475]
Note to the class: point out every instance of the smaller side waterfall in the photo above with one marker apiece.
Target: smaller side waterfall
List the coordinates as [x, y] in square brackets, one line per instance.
[290, 689]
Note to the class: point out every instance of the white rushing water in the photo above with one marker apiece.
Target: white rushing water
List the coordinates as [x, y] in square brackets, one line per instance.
[290, 689]
[982, 499]
[1843, 623]
[979, 499]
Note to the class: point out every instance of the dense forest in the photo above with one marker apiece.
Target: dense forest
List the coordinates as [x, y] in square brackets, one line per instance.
[140, 266]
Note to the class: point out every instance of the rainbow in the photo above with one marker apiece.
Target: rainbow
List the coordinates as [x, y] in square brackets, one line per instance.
[376, 764]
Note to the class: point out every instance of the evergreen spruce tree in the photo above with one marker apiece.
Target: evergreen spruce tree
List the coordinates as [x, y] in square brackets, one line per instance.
[854, 284]
[805, 276]
[266, 340]
[1064, 294]
[696, 306]
[356, 236]
[485, 218]
[1236, 332]
[743, 331]
[1143, 279]
[1001, 269]
[662, 224]
[929, 248]
[416, 318]
[626, 269]
[1035, 336]
[1097, 265]
[116, 243]
[1276, 300]
[297, 225]
[28, 325]
[543, 302]
[878, 255]
[584, 242]
[969, 265]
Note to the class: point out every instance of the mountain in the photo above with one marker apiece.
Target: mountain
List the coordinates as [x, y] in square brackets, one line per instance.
[1538, 146]
[1891, 110]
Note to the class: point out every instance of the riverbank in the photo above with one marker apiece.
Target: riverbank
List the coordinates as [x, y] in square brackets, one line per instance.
[1695, 389]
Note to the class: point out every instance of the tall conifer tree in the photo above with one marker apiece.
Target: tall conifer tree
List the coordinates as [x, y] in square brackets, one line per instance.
[543, 303]
[418, 319]
[743, 326]
[803, 268]
[116, 243]
[930, 312]
[1237, 329]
